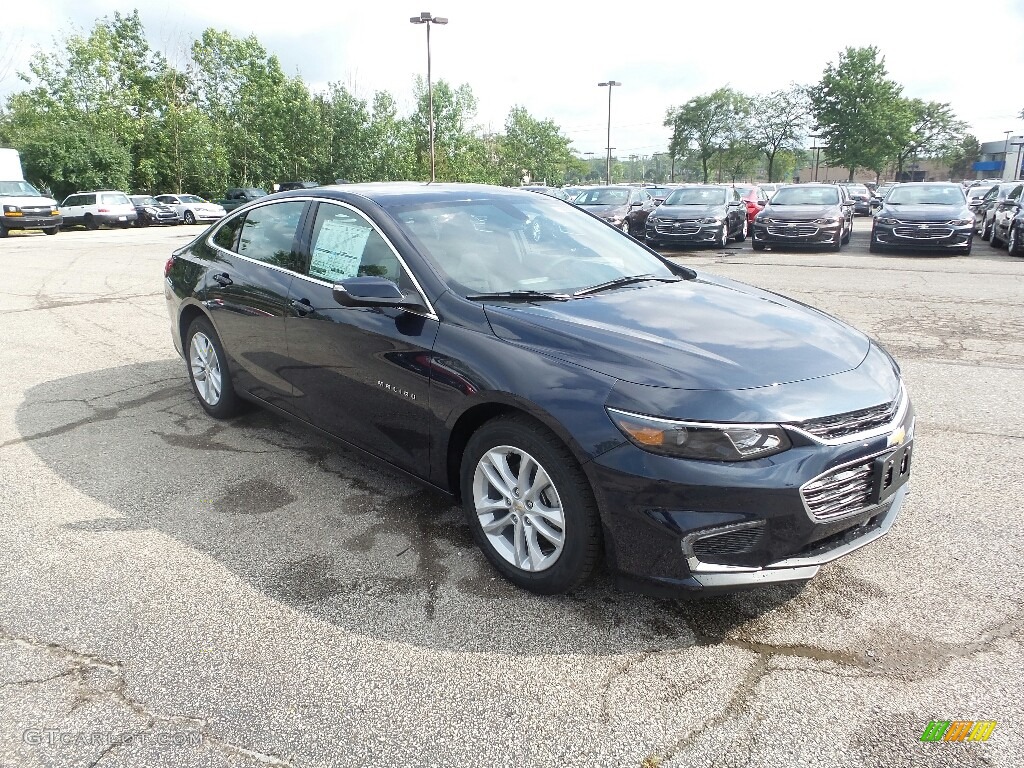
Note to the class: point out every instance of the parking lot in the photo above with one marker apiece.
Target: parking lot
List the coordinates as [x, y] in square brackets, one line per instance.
[250, 594]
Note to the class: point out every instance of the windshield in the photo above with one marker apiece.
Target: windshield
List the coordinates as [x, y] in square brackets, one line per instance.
[697, 196]
[800, 195]
[18, 188]
[143, 200]
[603, 197]
[657, 191]
[191, 199]
[925, 194]
[508, 243]
[975, 192]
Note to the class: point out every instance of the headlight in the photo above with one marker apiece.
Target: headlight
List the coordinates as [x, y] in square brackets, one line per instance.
[887, 220]
[961, 222]
[697, 440]
[12, 210]
[764, 220]
[827, 220]
[711, 220]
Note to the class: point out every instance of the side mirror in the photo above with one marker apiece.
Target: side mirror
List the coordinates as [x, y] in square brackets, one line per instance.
[372, 292]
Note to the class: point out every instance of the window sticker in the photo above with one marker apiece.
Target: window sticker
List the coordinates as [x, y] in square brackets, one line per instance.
[339, 249]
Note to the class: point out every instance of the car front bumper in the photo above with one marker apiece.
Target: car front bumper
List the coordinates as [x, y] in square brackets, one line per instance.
[922, 236]
[31, 221]
[799, 233]
[682, 234]
[675, 525]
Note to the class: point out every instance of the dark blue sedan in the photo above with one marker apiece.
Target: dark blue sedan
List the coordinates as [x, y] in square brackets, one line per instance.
[582, 397]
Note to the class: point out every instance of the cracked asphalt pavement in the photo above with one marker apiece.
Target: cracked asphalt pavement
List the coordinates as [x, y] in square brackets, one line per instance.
[180, 592]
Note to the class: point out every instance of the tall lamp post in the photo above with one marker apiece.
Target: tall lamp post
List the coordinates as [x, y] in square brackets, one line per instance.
[608, 157]
[816, 148]
[1006, 148]
[426, 18]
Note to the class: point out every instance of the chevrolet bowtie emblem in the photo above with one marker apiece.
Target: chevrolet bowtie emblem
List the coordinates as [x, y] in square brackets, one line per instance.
[897, 437]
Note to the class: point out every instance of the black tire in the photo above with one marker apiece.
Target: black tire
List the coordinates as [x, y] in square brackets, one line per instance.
[1013, 243]
[581, 547]
[837, 245]
[228, 404]
[846, 235]
[743, 231]
[723, 241]
[994, 240]
[50, 230]
[986, 230]
[189, 217]
[756, 245]
[91, 223]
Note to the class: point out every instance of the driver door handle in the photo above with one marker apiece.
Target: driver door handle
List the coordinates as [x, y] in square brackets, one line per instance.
[222, 279]
[302, 307]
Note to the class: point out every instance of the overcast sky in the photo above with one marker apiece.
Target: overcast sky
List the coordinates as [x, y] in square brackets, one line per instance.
[549, 56]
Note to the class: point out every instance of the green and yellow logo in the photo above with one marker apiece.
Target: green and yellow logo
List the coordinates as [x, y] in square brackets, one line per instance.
[958, 730]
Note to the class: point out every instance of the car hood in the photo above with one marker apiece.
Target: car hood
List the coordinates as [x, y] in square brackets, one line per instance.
[606, 211]
[31, 201]
[689, 211]
[800, 212]
[706, 334]
[927, 212]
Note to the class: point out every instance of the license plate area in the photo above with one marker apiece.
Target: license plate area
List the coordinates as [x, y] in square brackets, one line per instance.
[891, 472]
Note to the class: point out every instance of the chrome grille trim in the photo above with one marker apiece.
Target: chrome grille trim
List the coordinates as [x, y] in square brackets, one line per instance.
[841, 491]
[933, 232]
[855, 425]
[796, 230]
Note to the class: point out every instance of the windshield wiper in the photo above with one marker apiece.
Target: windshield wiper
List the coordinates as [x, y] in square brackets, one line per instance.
[626, 280]
[521, 295]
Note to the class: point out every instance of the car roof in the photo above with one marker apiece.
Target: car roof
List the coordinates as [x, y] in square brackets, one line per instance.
[406, 192]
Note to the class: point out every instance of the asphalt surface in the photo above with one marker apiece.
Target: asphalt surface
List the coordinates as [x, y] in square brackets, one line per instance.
[248, 594]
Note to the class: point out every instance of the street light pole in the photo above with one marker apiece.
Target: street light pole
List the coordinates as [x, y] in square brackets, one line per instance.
[426, 18]
[1006, 147]
[815, 148]
[608, 158]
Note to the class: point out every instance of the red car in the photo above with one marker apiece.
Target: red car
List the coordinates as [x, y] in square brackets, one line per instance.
[754, 198]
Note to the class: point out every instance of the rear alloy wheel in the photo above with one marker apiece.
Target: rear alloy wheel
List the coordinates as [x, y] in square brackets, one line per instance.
[208, 371]
[1013, 244]
[529, 505]
[190, 218]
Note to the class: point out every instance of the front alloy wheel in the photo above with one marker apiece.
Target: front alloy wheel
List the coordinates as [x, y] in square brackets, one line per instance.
[723, 237]
[190, 218]
[519, 509]
[529, 505]
[208, 371]
[1013, 242]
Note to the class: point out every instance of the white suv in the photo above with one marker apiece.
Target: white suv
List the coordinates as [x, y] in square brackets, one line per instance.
[192, 208]
[93, 209]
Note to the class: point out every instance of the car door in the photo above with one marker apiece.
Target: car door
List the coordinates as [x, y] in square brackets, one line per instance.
[1006, 210]
[361, 373]
[737, 210]
[71, 209]
[256, 256]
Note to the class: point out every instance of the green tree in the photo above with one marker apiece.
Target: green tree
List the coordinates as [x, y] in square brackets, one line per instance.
[858, 111]
[461, 154]
[708, 123]
[535, 147]
[391, 152]
[932, 131]
[962, 156]
[778, 123]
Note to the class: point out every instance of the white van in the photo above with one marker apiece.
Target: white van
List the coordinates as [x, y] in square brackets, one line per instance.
[24, 207]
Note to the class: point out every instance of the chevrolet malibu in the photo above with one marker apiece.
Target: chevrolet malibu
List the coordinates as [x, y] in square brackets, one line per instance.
[580, 396]
[927, 215]
[804, 215]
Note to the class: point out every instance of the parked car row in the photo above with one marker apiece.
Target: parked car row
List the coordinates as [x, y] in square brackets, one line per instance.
[112, 208]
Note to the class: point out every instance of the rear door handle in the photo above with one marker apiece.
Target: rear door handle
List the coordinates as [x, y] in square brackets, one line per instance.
[223, 279]
[302, 307]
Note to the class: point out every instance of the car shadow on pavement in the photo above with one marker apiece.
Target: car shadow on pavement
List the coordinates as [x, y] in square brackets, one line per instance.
[326, 532]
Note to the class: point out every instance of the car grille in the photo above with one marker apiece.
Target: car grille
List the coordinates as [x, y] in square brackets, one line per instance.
[732, 543]
[840, 491]
[923, 231]
[677, 226]
[35, 210]
[852, 422]
[792, 228]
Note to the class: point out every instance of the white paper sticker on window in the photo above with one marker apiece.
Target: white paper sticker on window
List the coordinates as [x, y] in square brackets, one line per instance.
[339, 249]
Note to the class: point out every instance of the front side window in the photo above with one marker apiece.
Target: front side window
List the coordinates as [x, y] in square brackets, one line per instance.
[227, 235]
[345, 245]
[1015, 194]
[268, 234]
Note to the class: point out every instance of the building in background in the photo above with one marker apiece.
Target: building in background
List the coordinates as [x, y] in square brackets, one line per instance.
[994, 156]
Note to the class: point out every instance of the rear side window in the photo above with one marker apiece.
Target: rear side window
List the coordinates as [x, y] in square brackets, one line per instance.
[1015, 194]
[227, 236]
[268, 234]
[114, 199]
[345, 245]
